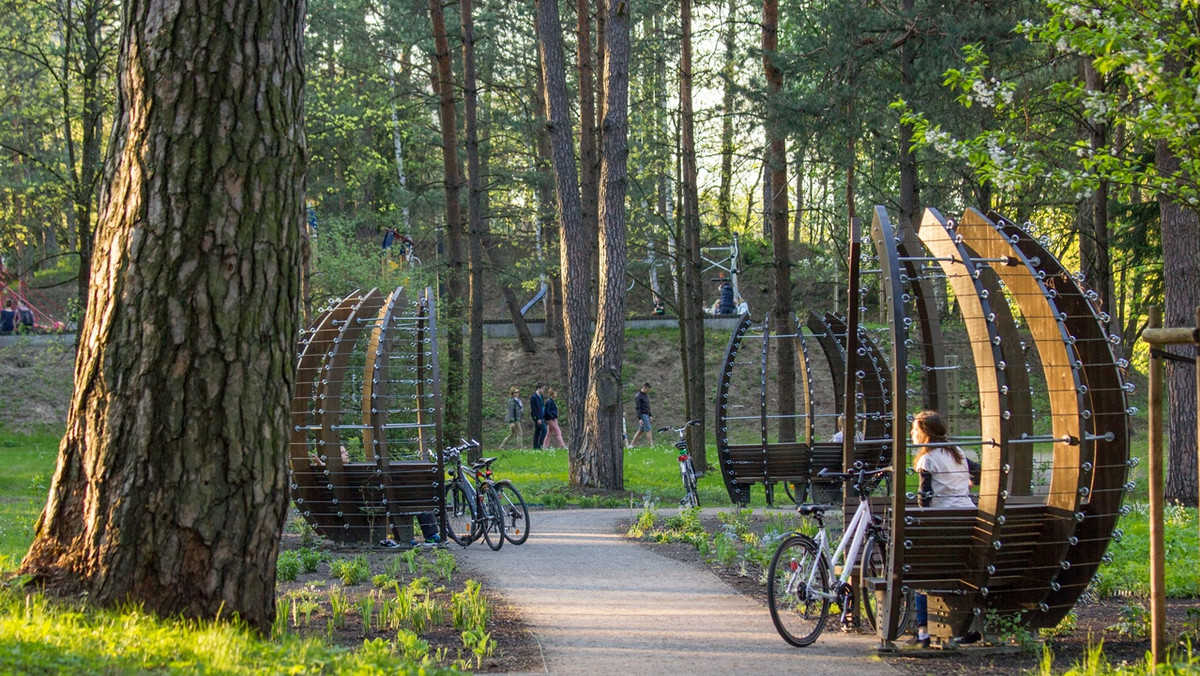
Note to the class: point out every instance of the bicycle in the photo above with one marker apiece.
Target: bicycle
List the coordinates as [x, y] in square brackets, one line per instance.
[687, 471]
[801, 582]
[472, 510]
[513, 509]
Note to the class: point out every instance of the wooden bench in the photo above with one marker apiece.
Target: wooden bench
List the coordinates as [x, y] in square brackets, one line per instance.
[373, 504]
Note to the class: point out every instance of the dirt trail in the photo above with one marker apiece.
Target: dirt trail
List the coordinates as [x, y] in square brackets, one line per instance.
[600, 604]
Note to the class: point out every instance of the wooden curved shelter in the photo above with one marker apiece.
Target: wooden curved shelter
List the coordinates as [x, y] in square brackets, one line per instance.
[985, 325]
[366, 418]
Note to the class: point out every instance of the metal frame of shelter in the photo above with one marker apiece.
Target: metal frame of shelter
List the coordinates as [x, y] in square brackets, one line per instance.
[367, 377]
[1041, 402]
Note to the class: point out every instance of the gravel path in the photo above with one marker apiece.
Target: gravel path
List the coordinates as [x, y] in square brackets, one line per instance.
[600, 604]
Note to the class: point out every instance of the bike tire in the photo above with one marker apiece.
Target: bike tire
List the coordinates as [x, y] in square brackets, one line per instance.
[492, 519]
[690, 498]
[874, 564]
[460, 515]
[515, 511]
[798, 609]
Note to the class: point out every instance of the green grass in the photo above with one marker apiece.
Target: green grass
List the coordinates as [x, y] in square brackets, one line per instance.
[650, 473]
[43, 637]
[28, 462]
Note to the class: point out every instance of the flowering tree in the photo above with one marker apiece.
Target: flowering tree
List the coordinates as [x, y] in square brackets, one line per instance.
[1140, 61]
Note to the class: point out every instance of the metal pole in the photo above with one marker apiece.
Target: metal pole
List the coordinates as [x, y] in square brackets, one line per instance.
[1155, 480]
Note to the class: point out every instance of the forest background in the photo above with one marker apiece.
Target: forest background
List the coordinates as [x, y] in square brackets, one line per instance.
[773, 122]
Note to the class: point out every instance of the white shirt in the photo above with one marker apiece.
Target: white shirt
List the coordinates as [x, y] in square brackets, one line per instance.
[951, 480]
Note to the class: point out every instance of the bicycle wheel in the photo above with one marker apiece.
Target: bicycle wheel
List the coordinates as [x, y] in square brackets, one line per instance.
[516, 514]
[874, 565]
[492, 519]
[797, 492]
[687, 473]
[459, 515]
[798, 590]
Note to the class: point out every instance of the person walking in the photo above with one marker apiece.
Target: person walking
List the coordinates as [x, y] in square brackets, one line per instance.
[537, 411]
[553, 431]
[641, 407]
[8, 319]
[513, 415]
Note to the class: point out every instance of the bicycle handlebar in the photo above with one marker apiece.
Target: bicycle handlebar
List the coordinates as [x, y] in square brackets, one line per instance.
[457, 451]
[686, 425]
[857, 474]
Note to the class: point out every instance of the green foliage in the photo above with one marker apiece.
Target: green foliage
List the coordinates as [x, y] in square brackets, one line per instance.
[1134, 622]
[351, 571]
[58, 638]
[469, 608]
[1129, 569]
[28, 461]
[287, 567]
[1009, 628]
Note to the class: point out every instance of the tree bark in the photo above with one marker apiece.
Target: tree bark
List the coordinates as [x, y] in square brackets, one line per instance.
[781, 312]
[574, 250]
[589, 161]
[724, 200]
[475, 228]
[603, 451]
[171, 485]
[451, 306]
[1181, 279]
[692, 303]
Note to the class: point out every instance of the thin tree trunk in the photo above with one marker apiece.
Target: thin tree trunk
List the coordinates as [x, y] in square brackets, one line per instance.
[451, 306]
[724, 201]
[171, 485]
[777, 163]
[603, 451]
[589, 142]
[692, 304]
[475, 227]
[574, 248]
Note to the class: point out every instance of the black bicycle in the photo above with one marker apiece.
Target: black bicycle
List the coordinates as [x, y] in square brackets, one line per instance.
[687, 471]
[512, 505]
[473, 510]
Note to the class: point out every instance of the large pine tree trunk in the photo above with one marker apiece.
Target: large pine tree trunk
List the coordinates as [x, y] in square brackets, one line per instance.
[451, 306]
[781, 312]
[171, 485]
[589, 143]
[603, 449]
[575, 246]
[692, 304]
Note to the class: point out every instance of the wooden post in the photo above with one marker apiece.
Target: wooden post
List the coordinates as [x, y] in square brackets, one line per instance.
[1197, 339]
[1155, 479]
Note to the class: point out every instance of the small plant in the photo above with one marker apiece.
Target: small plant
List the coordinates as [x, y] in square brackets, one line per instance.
[723, 549]
[1134, 622]
[412, 647]
[480, 644]
[350, 571]
[311, 558]
[382, 580]
[469, 608]
[366, 610]
[339, 604]
[410, 559]
[287, 567]
[279, 626]
[645, 521]
[1065, 628]
[1009, 628]
[445, 564]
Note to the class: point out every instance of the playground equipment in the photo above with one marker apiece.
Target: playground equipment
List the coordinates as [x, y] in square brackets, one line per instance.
[1041, 400]
[367, 385]
[728, 263]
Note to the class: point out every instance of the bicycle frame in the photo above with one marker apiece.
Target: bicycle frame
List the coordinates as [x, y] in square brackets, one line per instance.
[853, 538]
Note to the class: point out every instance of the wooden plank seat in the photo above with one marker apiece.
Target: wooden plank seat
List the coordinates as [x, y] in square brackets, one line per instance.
[751, 463]
[414, 486]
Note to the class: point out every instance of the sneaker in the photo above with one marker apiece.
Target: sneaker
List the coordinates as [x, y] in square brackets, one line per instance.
[916, 642]
[434, 539]
[388, 543]
[968, 638]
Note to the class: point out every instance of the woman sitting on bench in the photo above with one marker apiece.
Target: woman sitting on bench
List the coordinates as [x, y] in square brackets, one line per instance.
[946, 480]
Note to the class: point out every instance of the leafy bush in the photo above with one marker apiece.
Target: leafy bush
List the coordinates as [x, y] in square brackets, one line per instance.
[287, 567]
[351, 571]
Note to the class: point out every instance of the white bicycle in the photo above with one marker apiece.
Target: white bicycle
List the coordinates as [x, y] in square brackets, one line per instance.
[801, 582]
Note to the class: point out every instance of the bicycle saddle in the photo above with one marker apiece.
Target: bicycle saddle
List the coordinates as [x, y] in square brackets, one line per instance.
[483, 462]
[807, 509]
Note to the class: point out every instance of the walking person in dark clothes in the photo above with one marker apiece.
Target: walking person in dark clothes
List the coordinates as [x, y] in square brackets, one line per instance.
[537, 411]
[641, 407]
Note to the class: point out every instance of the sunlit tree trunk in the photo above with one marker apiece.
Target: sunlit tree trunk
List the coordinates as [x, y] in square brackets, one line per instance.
[171, 485]
[475, 226]
[603, 451]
